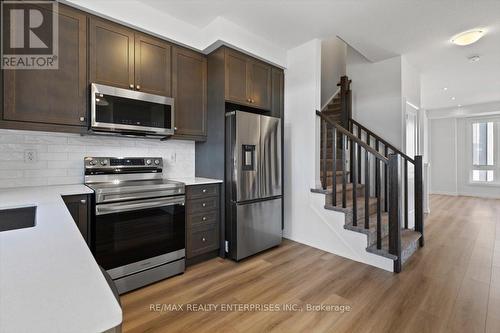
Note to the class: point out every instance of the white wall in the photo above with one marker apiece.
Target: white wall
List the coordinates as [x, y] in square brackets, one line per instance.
[410, 83]
[443, 156]
[333, 66]
[60, 156]
[220, 31]
[377, 95]
[450, 152]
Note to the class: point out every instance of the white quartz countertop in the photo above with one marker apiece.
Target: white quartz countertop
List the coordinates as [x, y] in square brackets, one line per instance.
[49, 280]
[197, 180]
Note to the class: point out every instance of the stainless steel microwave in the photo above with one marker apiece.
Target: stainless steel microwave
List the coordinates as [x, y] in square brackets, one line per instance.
[130, 112]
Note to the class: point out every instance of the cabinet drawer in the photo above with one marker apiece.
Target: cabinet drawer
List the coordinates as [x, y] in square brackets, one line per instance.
[207, 218]
[203, 205]
[201, 191]
[203, 240]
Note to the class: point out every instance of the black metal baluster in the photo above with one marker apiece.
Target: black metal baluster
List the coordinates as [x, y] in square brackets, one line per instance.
[360, 135]
[379, 203]
[367, 187]
[344, 173]
[386, 196]
[323, 154]
[334, 183]
[406, 193]
[354, 183]
[351, 152]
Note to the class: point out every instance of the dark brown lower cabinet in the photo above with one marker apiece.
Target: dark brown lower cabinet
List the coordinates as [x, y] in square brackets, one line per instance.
[202, 222]
[79, 208]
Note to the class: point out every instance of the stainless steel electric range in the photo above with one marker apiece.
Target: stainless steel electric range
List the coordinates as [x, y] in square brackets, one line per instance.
[138, 225]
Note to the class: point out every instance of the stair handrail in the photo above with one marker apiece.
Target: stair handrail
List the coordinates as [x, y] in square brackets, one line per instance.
[384, 142]
[351, 136]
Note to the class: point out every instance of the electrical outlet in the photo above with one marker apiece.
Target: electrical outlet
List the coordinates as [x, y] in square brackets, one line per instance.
[30, 156]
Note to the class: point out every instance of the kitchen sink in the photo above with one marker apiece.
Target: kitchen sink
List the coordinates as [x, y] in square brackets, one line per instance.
[17, 218]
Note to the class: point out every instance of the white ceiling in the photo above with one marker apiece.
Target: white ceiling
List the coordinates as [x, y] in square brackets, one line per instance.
[379, 29]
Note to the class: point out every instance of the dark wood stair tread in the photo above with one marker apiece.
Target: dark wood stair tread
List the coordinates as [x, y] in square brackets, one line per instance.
[409, 238]
[339, 188]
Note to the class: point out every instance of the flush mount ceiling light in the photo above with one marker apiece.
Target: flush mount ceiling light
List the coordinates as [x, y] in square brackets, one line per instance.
[445, 88]
[468, 37]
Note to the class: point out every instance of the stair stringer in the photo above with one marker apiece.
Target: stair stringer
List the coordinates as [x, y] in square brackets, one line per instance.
[329, 235]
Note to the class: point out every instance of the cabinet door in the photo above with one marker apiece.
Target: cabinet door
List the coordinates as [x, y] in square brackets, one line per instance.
[236, 85]
[260, 84]
[152, 65]
[190, 93]
[277, 93]
[78, 206]
[111, 54]
[56, 96]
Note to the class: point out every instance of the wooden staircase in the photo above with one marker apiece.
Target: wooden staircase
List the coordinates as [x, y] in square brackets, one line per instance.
[377, 205]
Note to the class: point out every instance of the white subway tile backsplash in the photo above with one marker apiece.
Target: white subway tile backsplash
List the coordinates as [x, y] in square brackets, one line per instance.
[10, 174]
[60, 156]
[18, 182]
[64, 180]
[45, 139]
[45, 173]
[66, 148]
[15, 165]
[52, 156]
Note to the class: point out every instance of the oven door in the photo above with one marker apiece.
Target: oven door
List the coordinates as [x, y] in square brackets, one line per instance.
[121, 110]
[136, 235]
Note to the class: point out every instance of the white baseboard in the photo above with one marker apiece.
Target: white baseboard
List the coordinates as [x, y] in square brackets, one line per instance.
[444, 193]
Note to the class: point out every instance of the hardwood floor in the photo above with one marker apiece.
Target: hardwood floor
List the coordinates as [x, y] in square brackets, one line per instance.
[450, 285]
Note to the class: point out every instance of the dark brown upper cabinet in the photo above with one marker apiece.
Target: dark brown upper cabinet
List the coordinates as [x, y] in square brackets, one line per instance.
[111, 54]
[152, 65]
[248, 81]
[259, 84]
[189, 87]
[236, 78]
[278, 97]
[52, 96]
[123, 58]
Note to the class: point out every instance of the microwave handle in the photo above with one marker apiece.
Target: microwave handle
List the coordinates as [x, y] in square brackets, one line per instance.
[137, 205]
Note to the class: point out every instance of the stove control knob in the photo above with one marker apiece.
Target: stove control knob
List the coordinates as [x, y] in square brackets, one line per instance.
[157, 162]
[104, 162]
[92, 162]
[148, 162]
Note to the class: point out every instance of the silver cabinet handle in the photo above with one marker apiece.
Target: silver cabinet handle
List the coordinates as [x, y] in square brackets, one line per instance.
[203, 204]
[138, 87]
[137, 205]
[204, 218]
[131, 86]
[83, 201]
[175, 128]
[82, 119]
[203, 240]
[204, 190]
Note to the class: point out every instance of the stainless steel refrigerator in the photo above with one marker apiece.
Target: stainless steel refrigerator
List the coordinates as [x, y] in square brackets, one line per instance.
[253, 183]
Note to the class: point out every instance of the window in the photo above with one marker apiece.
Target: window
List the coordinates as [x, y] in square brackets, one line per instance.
[483, 151]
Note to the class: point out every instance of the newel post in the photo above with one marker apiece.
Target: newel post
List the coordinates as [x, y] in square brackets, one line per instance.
[345, 100]
[419, 197]
[395, 211]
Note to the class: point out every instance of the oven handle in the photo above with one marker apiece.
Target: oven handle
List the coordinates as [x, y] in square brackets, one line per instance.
[137, 205]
